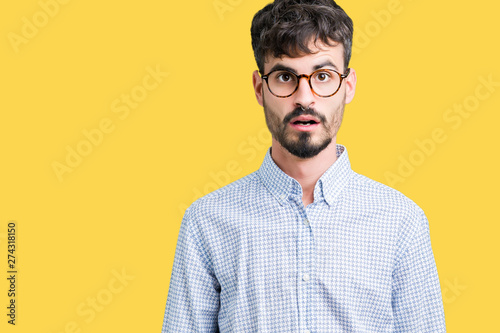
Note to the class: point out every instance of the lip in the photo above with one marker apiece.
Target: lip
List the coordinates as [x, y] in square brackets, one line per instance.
[304, 128]
[304, 117]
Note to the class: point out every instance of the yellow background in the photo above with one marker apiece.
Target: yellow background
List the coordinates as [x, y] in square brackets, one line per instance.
[120, 209]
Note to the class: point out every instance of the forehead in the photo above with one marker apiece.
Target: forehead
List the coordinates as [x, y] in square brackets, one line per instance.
[321, 54]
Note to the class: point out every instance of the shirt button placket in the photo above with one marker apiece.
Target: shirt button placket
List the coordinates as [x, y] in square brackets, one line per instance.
[305, 243]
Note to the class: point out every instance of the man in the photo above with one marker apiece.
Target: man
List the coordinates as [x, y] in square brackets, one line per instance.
[304, 244]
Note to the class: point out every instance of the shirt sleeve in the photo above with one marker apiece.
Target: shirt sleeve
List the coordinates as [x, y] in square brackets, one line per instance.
[193, 297]
[416, 293]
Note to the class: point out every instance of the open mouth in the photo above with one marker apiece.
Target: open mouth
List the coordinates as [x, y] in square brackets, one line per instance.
[305, 122]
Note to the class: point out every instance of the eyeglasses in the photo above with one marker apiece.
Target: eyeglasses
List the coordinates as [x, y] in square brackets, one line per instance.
[323, 82]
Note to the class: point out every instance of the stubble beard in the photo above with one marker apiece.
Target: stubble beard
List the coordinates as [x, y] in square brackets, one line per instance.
[301, 144]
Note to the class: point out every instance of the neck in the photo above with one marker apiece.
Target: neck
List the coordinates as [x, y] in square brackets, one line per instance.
[305, 171]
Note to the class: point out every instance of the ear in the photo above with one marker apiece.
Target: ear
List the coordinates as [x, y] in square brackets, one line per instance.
[257, 86]
[350, 84]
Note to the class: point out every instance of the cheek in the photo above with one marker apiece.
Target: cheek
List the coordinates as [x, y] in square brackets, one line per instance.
[334, 116]
[272, 118]
[337, 117]
[276, 108]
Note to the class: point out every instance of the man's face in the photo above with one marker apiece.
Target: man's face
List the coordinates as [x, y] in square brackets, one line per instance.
[304, 123]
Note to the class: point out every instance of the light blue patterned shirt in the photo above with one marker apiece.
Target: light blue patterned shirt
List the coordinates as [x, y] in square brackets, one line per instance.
[251, 258]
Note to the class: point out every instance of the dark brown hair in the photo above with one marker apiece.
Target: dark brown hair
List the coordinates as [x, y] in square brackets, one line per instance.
[285, 27]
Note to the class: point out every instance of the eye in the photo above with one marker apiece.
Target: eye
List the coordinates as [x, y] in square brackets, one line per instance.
[284, 77]
[322, 76]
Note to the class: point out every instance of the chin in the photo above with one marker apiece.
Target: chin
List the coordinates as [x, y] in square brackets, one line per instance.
[303, 148]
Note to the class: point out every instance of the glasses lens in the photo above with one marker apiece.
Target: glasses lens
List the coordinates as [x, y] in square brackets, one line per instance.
[282, 83]
[325, 82]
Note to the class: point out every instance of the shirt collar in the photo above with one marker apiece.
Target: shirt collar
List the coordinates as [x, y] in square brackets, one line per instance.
[328, 187]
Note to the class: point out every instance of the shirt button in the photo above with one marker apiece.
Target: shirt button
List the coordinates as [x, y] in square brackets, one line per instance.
[306, 222]
[283, 197]
[306, 277]
[307, 331]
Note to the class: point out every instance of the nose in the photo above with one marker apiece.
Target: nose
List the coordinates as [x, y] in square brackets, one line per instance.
[304, 96]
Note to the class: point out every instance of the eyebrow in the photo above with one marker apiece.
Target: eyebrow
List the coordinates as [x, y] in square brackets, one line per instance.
[325, 64]
[280, 67]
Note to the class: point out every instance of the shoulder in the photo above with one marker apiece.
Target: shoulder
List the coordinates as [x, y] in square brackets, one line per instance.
[378, 194]
[389, 204]
[398, 213]
[216, 214]
[226, 198]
